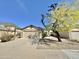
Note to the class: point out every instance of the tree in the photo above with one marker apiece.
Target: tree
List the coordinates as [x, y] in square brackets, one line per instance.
[61, 18]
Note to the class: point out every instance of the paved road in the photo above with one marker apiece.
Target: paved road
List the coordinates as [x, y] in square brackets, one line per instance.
[72, 54]
[21, 49]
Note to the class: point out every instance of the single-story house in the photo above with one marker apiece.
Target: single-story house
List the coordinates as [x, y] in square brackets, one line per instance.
[31, 30]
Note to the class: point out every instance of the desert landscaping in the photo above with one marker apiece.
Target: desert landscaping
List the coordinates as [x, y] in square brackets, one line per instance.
[29, 48]
[39, 29]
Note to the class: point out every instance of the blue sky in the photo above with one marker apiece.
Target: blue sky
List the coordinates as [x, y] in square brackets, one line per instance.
[24, 12]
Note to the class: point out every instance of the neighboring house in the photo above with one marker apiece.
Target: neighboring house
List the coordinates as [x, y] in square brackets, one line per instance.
[9, 29]
[74, 34]
[31, 30]
[19, 32]
[64, 35]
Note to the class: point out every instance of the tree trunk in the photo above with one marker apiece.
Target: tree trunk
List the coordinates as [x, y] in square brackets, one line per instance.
[44, 34]
[58, 36]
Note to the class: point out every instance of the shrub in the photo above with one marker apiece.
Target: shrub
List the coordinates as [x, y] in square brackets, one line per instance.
[6, 37]
[30, 36]
[19, 35]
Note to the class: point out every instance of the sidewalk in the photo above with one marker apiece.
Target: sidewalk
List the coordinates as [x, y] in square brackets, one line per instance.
[72, 54]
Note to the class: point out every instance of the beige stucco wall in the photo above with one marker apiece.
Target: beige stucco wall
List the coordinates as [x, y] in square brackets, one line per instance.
[26, 34]
[74, 35]
[19, 31]
[64, 34]
[10, 28]
[29, 32]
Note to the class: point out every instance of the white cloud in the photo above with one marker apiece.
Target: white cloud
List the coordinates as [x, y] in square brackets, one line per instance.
[22, 6]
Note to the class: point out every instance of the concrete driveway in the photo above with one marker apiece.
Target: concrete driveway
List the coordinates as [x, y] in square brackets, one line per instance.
[22, 49]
